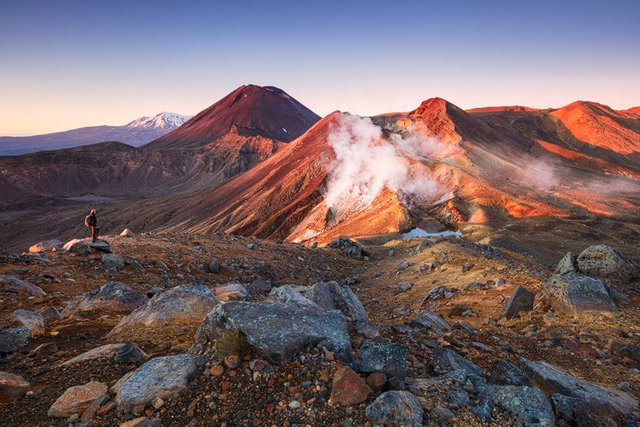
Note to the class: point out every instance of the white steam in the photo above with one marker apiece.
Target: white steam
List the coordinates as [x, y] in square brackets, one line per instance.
[366, 163]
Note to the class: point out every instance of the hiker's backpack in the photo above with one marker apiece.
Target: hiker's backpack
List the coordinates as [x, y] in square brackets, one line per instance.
[87, 220]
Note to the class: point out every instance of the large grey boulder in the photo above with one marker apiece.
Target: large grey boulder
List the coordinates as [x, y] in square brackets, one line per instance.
[395, 408]
[45, 246]
[13, 339]
[332, 296]
[431, 321]
[527, 405]
[614, 404]
[112, 261]
[503, 372]
[86, 246]
[445, 360]
[567, 264]
[29, 319]
[180, 305]
[521, 301]
[162, 377]
[290, 293]
[278, 331]
[115, 297]
[574, 294]
[388, 358]
[604, 262]
[14, 285]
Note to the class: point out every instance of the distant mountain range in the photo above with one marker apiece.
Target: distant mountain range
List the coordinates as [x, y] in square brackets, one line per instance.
[137, 132]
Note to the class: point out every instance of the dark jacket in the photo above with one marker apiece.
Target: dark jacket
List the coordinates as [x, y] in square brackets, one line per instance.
[91, 221]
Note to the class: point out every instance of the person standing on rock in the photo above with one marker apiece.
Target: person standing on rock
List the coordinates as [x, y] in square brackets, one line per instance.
[92, 221]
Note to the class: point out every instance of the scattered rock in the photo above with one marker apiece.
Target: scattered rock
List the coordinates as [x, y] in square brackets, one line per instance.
[467, 266]
[50, 315]
[445, 360]
[527, 405]
[439, 292]
[112, 261]
[13, 339]
[161, 377]
[232, 361]
[349, 247]
[14, 285]
[573, 294]
[377, 381]
[182, 304]
[45, 246]
[214, 266]
[107, 351]
[388, 358]
[12, 387]
[29, 319]
[432, 321]
[76, 399]
[404, 286]
[128, 354]
[127, 233]
[521, 300]
[278, 331]
[604, 262]
[289, 293]
[403, 265]
[503, 372]
[349, 388]
[231, 291]
[113, 297]
[395, 408]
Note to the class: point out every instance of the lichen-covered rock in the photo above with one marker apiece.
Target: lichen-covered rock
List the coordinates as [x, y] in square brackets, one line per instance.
[289, 293]
[610, 403]
[278, 331]
[12, 387]
[431, 321]
[161, 377]
[180, 305]
[521, 301]
[13, 339]
[31, 320]
[112, 261]
[76, 399]
[503, 372]
[574, 294]
[527, 405]
[604, 262]
[567, 264]
[14, 285]
[45, 246]
[113, 297]
[106, 351]
[445, 360]
[388, 358]
[395, 408]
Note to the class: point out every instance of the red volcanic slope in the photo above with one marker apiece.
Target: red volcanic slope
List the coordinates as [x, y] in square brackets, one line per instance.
[516, 108]
[633, 110]
[252, 110]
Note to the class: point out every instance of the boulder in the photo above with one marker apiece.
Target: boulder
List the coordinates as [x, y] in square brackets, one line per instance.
[161, 377]
[86, 246]
[290, 293]
[76, 399]
[107, 351]
[503, 372]
[12, 387]
[395, 408]
[432, 321]
[349, 388]
[349, 247]
[527, 405]
[445, 360]
[127, 233]
[50, 315]
[579, 412]
[574, 294]
[182, 304]
[14, 285]
[31, 320]
[388, 358]
[604, 262]
[115, 297]
[112, 261]
[278, 331]
[231, 291]
[567, 264]
[13, 339]
[611, 403]
[128, 354]
[456, 379]
[45, 246]
[439, 292]
[521, 300]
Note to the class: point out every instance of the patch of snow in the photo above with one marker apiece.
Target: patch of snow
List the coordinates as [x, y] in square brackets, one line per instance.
[419, 232]
[284, 130]
[162, 120]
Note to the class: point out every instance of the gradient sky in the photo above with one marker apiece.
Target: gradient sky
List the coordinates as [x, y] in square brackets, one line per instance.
[67, 64]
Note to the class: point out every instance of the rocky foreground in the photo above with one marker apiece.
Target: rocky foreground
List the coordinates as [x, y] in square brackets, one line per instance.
[146, 329]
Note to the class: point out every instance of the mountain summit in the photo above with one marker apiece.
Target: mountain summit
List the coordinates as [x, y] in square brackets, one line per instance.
[250, 110]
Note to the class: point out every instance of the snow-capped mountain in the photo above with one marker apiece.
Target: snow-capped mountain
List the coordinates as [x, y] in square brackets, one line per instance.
[137, 132]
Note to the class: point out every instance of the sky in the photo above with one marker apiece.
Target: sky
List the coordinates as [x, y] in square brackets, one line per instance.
[68, 64]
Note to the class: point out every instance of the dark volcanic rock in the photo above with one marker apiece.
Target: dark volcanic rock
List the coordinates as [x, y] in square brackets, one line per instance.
[439, 292]
[445, 360]
[349, 247]
[128, 353]
[574, 293]
[521, 300]
[13, 339]
[395, 408]
[388, 358]
[528, 405]
[503, 372]
[567, 264]
[278, 331]
[14, 285]
[605, 262]
[431, 321]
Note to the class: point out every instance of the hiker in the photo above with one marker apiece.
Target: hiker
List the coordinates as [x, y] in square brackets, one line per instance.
[91, 221]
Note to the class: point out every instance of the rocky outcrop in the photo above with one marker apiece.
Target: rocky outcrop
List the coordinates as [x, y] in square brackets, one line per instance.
[604, 262]
[45, 246]
[76, 399]
[445, 360]
[567, 264]
[612, 406]
[29, 319]
[395, 408]
[521, 301]
[12, 387]
[112, 297]
[180, 305]
[431, 321]
[349, 247]
[86, 246]
[14, 285]
[161, 377]
[503, 372]
[574, 294]
[278, 331]
[291, 293]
